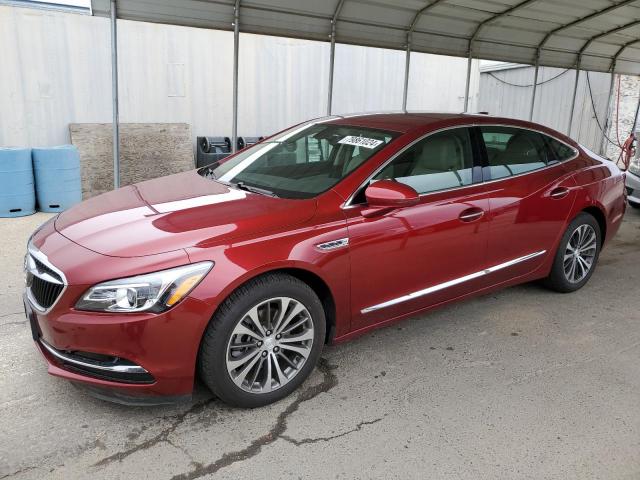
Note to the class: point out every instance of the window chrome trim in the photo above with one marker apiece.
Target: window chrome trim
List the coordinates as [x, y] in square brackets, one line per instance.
[451, 283]
[41, 257]
[347, 204]
[89, 364]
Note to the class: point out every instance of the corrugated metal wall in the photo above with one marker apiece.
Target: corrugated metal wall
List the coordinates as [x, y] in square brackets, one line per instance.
[499, 96]
[56, 70]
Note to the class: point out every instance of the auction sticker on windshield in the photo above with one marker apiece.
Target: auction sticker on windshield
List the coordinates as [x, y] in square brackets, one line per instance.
[361, 141]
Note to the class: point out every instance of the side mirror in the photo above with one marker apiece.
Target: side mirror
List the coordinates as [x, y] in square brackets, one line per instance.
[385, 195]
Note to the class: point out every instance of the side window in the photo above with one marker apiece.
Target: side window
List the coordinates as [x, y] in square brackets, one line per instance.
[512, 151]
[558, 151]
[441, 161]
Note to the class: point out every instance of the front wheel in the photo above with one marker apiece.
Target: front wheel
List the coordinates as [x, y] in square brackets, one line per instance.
[577, 255]
[263, 341]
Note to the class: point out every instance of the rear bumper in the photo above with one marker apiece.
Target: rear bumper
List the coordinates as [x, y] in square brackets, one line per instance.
[632, 184]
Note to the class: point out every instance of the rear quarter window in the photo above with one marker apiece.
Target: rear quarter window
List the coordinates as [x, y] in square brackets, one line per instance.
[514, 151]
[559, 151]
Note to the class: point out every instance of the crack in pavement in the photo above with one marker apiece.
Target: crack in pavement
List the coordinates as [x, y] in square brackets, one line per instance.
[304, 441]
[182, 449]
[17, 472]
[12, 313]
[329, 381]
[159, 438]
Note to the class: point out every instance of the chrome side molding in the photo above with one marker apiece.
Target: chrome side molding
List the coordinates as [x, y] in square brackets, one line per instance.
[451, 283]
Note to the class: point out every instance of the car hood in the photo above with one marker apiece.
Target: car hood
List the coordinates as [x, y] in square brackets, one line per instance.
[175, 212]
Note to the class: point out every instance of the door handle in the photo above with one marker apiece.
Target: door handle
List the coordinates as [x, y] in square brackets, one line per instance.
[471, 214]
[559, 193]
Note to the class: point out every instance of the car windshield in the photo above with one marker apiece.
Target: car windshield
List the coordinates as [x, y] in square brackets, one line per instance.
[300, 162]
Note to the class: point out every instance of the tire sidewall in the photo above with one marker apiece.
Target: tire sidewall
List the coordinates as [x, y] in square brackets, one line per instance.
[217, 377]
[558, 265]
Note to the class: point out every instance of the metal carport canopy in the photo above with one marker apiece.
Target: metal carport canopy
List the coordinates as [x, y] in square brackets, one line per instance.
[596, 35]
[504, 30]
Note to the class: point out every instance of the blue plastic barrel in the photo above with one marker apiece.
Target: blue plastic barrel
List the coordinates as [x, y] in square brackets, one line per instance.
[17, 195]
[57, 174]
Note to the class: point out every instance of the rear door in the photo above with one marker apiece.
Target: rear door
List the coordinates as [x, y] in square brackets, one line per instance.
[530, 196]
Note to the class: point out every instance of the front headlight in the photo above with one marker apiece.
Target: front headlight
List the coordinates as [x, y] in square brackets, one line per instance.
[634, 166]
[152, 292]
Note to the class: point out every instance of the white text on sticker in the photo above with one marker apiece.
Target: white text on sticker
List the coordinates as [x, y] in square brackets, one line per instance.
[361, 141]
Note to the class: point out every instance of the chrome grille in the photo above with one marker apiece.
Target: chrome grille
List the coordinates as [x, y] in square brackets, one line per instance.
[45, 293]
[45, 269]
[45, 283]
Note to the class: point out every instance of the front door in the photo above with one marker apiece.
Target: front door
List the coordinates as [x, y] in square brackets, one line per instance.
[421, 255]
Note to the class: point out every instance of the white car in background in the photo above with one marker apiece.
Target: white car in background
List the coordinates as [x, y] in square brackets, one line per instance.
[633, 183]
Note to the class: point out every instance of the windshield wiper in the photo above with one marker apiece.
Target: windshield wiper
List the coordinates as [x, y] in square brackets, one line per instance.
[252, 189]
[207, 172]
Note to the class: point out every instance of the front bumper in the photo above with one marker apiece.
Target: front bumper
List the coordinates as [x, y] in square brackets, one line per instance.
[133, 359]
[632, 184]
[111, 368]
[141, 358]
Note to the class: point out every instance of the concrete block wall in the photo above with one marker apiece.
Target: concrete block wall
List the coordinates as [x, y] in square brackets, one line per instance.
[146, 151]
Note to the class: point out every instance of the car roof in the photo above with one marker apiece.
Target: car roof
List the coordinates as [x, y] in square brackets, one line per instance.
[405, 122]
[400, 121]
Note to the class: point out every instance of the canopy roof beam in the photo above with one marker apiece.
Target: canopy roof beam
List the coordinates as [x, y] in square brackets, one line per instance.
[381, 25]
[619, 52]
[473, 38]
[566, 26]
[236, 47]
[579, 63]
[578, 21]
[410, 30]
[114, 94]
[535, 86]
[407, 60]
[605, 127]
[496, 17]
[332, 53]
[613, 31]
[421, 12]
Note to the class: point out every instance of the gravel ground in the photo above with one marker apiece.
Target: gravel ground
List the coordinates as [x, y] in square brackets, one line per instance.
[523, 383]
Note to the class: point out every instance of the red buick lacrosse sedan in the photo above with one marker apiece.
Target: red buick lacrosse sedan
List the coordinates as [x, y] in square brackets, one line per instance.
[241, 271]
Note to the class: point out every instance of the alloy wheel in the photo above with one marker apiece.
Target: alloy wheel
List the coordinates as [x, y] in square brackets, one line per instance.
[580, 253]
[270, 344]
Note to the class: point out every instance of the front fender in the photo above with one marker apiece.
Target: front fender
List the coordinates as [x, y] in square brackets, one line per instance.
[238, 263]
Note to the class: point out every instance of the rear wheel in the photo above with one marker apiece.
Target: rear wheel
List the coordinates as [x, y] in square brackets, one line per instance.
[263, 342]
[577, 255]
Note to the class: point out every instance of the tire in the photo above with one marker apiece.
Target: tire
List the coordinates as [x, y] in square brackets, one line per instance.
[233, 341]
[560, 279]
[634, 204]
